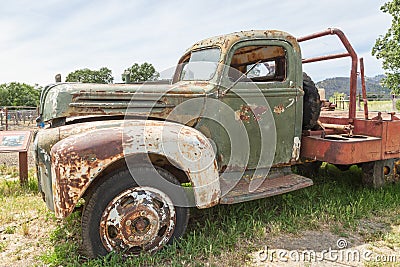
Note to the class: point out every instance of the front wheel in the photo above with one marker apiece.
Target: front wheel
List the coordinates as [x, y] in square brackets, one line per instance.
[124, 217]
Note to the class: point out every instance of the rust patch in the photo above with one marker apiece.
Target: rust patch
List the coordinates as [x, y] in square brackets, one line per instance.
[246, 112]
[269, 187]
[279, 109]
[76, 161]
[258, 111]
[243, 113]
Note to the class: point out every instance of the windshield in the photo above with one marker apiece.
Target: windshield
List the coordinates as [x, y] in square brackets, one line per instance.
[201, 65]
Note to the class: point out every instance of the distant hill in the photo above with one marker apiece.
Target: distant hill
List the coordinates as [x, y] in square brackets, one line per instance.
[342, 85]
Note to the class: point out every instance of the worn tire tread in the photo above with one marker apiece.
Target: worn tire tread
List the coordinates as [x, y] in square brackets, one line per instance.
[311, 104]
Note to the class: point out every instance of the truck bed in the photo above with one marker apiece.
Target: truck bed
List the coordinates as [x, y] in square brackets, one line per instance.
[376, 138]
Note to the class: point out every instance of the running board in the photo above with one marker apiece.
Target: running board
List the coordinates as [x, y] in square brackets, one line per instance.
[270, 187]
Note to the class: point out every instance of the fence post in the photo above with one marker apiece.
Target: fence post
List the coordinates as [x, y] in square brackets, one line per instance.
[23, 167]
[342, 99]
[394, 102]
[6, 110]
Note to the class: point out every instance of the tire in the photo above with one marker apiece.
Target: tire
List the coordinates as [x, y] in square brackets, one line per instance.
[372, 174]
[124, 217]
[378, 173]
[311, 104]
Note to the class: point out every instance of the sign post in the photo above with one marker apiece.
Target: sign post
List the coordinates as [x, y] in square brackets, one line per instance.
[17, 141]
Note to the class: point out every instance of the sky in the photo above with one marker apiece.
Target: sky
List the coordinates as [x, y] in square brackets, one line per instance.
[42, 38]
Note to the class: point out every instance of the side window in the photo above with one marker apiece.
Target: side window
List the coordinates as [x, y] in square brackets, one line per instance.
[258, 63]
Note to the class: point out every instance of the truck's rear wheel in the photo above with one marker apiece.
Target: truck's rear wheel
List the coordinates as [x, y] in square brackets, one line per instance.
[124, 217]
[311, 104]
[378, 173]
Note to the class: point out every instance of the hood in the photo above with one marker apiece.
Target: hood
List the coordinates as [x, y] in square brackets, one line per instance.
[65, 100]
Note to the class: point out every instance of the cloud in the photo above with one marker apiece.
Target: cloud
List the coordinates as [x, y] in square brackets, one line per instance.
[47, 37]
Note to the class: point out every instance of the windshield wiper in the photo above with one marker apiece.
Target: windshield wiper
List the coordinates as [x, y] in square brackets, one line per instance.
[236, 82]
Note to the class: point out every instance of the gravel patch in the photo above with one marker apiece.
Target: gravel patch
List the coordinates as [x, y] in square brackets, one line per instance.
[11, 158]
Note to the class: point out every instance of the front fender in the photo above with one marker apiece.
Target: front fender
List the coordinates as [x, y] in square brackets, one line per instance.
[79, 159]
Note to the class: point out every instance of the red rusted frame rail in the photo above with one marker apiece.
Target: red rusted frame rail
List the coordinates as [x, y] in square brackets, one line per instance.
[315, 59]
[350, 53]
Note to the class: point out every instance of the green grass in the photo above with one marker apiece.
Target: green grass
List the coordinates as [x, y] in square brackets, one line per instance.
[7, 171]
[385, 106]
[380, 106]
[221, 235]
[65, 240]
[17, 200]
[22, 218]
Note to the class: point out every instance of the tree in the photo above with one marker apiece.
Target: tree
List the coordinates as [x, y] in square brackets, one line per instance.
[103, 75]
[19, 94]
[140, 73]
[387, 47]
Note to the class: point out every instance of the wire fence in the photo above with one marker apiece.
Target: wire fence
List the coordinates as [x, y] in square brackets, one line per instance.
[17, 118]
[381, 104]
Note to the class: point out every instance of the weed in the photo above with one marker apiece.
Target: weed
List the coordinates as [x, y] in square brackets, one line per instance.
[9, 230]
[20, 206]
[17, 199]
[8, 171]
[11, 188]
[393, 238]
[3, 245]
[25, 228]
[65, 239]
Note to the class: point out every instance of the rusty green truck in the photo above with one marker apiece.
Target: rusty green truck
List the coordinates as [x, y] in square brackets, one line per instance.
[226, 129]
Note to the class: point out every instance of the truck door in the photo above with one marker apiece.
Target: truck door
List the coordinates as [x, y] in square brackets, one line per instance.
[263, 77]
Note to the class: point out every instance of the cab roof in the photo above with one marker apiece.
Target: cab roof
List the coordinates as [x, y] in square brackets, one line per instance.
[226, 41]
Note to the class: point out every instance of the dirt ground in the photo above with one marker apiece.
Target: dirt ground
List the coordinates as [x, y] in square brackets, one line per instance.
[24, 248]
[323, 248]
[11, 159]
